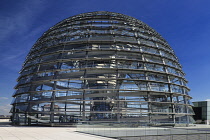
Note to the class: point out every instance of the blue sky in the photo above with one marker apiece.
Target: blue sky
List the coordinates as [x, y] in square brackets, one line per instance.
[185, 24]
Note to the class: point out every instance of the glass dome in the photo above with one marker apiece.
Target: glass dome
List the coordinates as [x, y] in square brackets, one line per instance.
[101, 66]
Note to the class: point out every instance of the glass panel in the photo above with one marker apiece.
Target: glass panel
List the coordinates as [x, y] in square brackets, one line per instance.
[154, 67]
[157, 77]
[161, 107]
[150, 58]
[158, 86]
[147, 42]
[73, 54]
[176, 89]
[171, 63]
[173, 71]
[160, 98]
[149, 49]
[180, 109]
[175, 80]
[50, 57]
[124, 55]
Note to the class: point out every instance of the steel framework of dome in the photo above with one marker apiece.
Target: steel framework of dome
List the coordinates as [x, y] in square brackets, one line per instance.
[101, 66]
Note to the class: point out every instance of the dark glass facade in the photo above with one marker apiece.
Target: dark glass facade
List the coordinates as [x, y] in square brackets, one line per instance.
[202, 111]
[101, 66]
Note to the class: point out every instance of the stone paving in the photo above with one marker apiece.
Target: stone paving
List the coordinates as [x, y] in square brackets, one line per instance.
[8, 132]
[44, 133]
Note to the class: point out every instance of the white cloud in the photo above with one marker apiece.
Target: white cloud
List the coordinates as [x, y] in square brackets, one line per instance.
[18, 23]
[10, 57]
[207, 99]
[4, 98]
[4, 109]
[17, 31]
